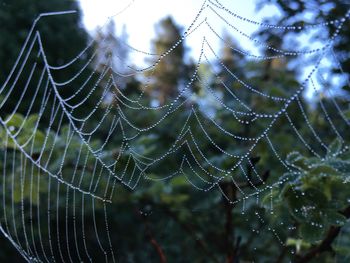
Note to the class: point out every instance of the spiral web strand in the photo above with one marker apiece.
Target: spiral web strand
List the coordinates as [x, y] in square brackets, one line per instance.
[33, 224]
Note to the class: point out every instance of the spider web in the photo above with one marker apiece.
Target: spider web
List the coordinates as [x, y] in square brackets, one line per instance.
[32, 222]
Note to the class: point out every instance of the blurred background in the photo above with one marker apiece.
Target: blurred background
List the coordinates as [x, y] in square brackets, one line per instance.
[174, 131]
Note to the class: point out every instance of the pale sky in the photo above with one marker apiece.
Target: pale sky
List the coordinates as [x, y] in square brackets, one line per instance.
[139, 16]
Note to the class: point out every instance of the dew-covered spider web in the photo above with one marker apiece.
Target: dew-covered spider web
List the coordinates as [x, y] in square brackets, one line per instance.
[64, 168]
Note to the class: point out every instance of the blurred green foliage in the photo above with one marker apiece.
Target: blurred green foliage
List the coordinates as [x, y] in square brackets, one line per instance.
[296, 215]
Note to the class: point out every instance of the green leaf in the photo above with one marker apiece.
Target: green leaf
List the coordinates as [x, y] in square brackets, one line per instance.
[335, 147]
[274, 195]
[315, 197]
[340, 165]
[347, 114]
[341, 250]
[334, 218]
[174, 198]
[296, 160]
[15, 121]
[31, 121]
[39, 140]
[294, 157]
[298, 244]
[311, 233]
[312, 161]
[323, 169]
[179, 181]
[293, 199]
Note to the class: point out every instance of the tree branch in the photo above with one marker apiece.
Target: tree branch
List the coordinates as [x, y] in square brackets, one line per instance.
[152, 240]
[189, 229]
[230, 192]
[326, 244]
